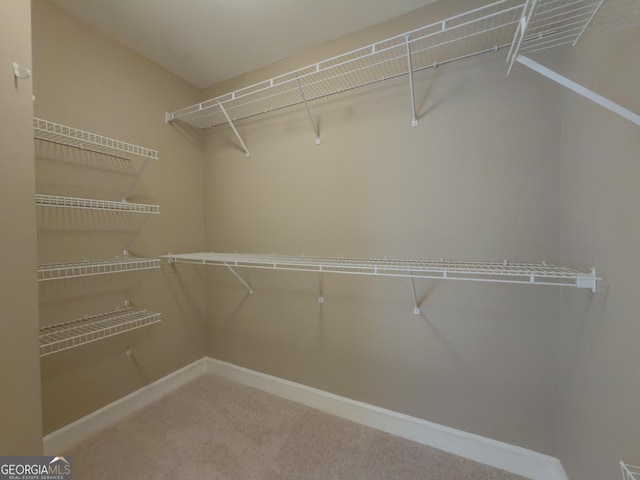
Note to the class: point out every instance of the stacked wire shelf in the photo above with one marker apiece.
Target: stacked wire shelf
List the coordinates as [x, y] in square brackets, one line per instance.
[95, 204]
[70, 334]
[61, 134]
[59, 271]
[63, 336]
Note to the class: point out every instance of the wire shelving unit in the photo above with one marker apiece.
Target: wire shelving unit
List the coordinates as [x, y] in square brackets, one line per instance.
[57, 133]
[72, 137]
[59, 271]
[63, 336]
[630, 472]
[95, 204]
[525, 25]
[496, 272]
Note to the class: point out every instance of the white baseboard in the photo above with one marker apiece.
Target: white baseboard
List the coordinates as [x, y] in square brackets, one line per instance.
[520, 461]
[62, 440]
[510, 458]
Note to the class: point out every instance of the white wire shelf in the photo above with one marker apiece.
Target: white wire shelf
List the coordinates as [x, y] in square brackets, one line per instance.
[551, 23]
[630, 472]
[72, 137]
[527, 25]
[63, 336]
[94, 204]
[59, 271]
[473, 32]
[496, 272]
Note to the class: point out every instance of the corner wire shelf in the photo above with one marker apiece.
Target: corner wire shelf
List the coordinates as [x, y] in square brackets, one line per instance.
[52, 132]
[495, 272]
[63, 336]
[630, 472]
[526, 25]
[95, 204]
[59, 271]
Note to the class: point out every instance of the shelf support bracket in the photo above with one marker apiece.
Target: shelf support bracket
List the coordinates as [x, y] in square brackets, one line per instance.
[579, 89]
[590, 282]
[135, 181]
[226, 115]
[521, 31]
[306, 106]
[239, 278]
[315, 289]
[414, 117]
[416, 307]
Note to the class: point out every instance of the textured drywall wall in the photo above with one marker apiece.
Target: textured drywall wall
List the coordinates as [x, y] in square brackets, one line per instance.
[478, 179]
[599, 381]
[85, 80]
[20, 419]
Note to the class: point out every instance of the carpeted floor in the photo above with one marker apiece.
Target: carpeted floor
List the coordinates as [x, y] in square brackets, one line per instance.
[216, 429]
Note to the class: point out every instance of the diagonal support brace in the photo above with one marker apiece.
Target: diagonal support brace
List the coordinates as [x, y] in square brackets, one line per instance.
[239, 277]
[315, 289]
[226, 115]
[523, 25]
[416, 307]
[576, 87]
[306, 106]
[414, 117]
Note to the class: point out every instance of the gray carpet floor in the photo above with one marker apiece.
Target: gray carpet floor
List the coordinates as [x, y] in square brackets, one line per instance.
[213, 428]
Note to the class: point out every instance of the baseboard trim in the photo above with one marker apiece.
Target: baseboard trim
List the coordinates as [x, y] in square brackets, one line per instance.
[62, 440]
[520, 461]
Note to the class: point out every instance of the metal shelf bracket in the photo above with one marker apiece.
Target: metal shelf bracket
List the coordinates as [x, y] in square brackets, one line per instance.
[315, 289]
[238, 277]
[306, 106]
[416, 306]
[246, 151]
[414, 117]
[630, 472]
[579, 89]
[521, 31]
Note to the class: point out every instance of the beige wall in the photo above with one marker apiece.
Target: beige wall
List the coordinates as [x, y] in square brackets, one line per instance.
[478, 179]
[85, 80]
[481, 177]
[599, 414]
[20, 419]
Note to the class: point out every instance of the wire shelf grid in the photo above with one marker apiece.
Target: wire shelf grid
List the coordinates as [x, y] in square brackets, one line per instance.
[483, 29]
[72, 137]
[630, 472]
[63, 336]
[497, 272]
[95, 204]
[558, 22]
[487, 28]
[58, 271]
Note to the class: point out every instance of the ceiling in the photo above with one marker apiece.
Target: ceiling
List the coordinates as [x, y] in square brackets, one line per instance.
[207, 41]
